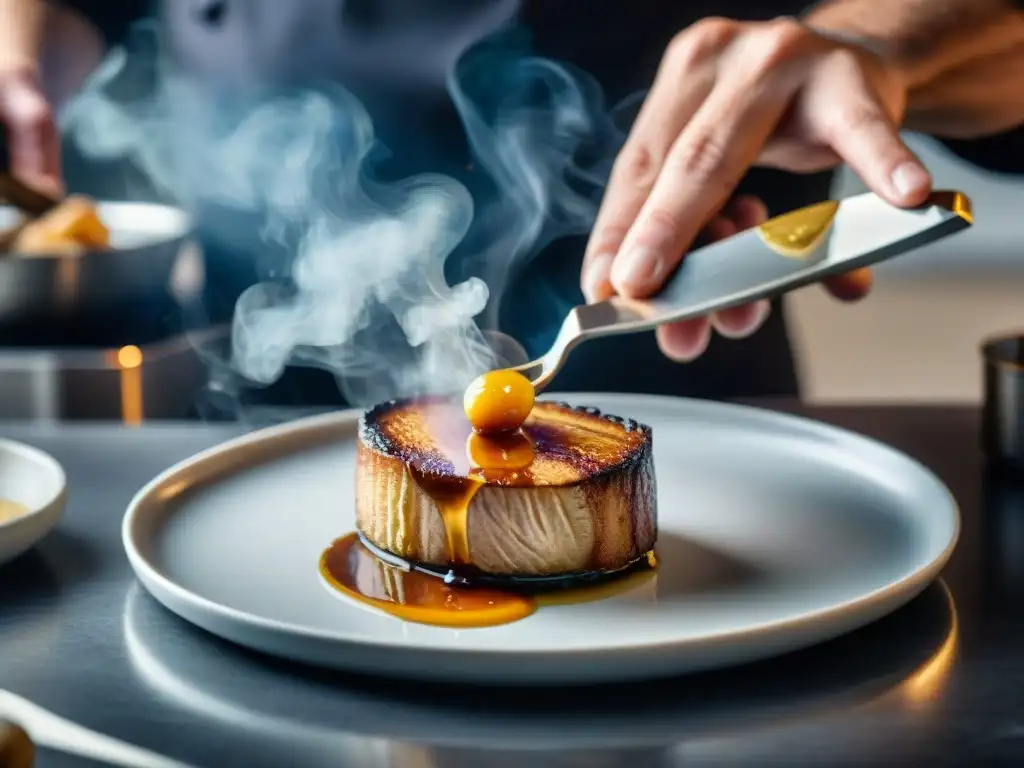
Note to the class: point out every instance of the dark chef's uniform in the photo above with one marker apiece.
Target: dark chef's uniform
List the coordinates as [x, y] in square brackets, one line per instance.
[620, 43]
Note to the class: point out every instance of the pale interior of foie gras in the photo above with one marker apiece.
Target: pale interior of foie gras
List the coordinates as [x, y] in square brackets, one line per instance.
[72, 228]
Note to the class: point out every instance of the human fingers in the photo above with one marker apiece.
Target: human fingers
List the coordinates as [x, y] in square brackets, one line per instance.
[686, 340]
[711, 155]
[850, 286]
[746, 211]
[845, 110]
[684, 80]
[32, 136]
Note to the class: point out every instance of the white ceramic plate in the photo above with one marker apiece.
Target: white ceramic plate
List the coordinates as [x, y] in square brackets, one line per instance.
[36, 480]
[904, 658]
[774, 533]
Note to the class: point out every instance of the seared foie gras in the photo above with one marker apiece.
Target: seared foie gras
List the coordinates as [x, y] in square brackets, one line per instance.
[585, 503]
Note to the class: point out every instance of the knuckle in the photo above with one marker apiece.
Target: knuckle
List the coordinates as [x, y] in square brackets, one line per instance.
[714, 29]
[701, 41]
[663, 219]
[702, 159]
[851, 120]
[30, 112]
[608, 237]
[637, 166]
[782, 42]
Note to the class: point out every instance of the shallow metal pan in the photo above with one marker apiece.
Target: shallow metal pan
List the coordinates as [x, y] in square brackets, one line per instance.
[154, 263]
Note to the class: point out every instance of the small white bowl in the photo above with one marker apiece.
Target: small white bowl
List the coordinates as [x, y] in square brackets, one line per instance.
[34, 478]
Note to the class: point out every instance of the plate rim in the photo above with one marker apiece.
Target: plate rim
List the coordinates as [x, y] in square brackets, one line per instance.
[861, 693]
[895, 593]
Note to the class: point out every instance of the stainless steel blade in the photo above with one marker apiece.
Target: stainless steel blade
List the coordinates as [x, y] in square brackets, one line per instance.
[787, 252]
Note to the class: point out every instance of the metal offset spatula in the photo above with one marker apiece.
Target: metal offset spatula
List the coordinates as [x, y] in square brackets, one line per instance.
[784, 253]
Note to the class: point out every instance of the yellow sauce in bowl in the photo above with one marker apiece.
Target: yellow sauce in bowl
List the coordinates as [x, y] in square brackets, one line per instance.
[11, 510]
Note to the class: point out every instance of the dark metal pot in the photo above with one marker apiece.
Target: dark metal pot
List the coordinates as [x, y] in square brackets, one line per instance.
[154, 264]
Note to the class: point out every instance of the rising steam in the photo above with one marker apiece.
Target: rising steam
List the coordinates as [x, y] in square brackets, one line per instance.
[353, 267]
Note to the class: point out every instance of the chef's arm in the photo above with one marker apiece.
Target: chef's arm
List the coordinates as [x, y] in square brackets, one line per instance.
[21, 32]
[46, 52]
[962, 60]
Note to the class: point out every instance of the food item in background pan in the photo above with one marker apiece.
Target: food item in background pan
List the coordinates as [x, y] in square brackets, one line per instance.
[466, 529]
[72, 227]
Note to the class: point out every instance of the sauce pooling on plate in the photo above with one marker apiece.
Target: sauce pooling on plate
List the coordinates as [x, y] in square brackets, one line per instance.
[415, 594]
[351, 568]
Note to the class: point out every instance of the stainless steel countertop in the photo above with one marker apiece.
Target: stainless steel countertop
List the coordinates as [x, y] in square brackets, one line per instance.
[77, 636]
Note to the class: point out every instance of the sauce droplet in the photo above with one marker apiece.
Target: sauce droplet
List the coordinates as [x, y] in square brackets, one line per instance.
[498, 401]
[452, 495]
[499, 453]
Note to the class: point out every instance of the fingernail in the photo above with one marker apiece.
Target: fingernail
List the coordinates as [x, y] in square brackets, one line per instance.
[910, 180]
[757, 318]
[595, 277]
[637, 270]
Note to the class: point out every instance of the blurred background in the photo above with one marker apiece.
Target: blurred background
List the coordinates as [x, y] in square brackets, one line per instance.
[916, 337]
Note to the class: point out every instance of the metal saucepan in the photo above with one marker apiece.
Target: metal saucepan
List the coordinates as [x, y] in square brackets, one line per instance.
[153, 264]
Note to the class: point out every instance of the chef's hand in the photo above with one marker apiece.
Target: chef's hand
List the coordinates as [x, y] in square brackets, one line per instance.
[33, 141]
[730, 95]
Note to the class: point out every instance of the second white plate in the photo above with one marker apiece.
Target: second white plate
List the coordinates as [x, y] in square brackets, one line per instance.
[774, 533]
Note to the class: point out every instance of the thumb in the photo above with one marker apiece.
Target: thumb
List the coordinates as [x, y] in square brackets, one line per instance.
[856, 125]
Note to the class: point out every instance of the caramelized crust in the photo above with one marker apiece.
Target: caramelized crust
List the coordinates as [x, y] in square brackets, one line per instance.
[586, 503]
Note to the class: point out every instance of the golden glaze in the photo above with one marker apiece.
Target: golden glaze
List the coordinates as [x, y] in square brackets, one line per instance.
[354, 571]
[500, 454]
[798, 233]
[452, 495]
[584, 503]
[498, 401]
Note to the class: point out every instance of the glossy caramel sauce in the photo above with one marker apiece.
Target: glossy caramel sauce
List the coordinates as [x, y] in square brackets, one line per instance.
[554, 446]
[452, 495]
[415, 594]
[352, 569]
[492, 458]
[567, 444]
[451, 460]
[495, 456]
[498, 401]
[798, 233]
